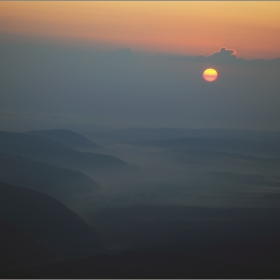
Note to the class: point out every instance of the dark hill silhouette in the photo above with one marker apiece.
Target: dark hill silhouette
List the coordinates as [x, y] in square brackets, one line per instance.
[54, 181]
[48, 222]
[197, 242]
[203, 261]
[150, 225]
[19, 250]
[48, 151]
[69, 138]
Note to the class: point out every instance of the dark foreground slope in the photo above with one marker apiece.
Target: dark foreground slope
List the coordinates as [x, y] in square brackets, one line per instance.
[157, 225]
[69, 138]
[57, 182]
[45, 150]
[179, 242]
[18, 250]
[180, 262]
[48, 222]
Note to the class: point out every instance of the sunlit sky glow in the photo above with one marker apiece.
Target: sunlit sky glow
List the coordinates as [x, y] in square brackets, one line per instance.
[190, 28]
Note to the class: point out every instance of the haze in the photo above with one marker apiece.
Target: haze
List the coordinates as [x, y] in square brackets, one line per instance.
[50, 68]
[118, 160]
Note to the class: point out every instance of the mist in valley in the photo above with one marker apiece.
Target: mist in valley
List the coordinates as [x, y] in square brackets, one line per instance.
[142, 197]
[192, 176]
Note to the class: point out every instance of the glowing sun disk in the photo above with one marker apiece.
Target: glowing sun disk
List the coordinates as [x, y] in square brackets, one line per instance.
[210, 75]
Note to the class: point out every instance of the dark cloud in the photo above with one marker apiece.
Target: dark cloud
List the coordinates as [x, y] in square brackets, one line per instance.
[224, 56]
[225, 53]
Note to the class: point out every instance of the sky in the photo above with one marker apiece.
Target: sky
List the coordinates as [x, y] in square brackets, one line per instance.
[186, 27]
[133, 63]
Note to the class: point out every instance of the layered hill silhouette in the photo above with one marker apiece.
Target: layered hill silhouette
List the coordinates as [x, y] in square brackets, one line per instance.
[69, 138]
[49, 223]
[51, 180]
[45, 150]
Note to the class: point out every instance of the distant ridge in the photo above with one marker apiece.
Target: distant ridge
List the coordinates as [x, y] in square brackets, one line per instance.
[45, 150]
[253, 147]
[45, 178]
[131, 135]
[69, 138]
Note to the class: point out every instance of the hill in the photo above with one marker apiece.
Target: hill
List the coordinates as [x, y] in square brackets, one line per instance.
[69, 138]
[48, 222]
[180, 242]
[202, 261]
[19, 250]
[51, 180]
[45, 150]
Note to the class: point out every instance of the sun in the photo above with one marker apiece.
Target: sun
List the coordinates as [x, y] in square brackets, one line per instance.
[210, 75]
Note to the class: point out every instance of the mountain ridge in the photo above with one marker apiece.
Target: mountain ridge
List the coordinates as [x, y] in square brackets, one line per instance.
[68, 138]
[51, 180]
[48, 222]
[45, 150]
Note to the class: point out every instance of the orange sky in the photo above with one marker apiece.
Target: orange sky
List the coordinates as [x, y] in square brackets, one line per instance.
[191, 28]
